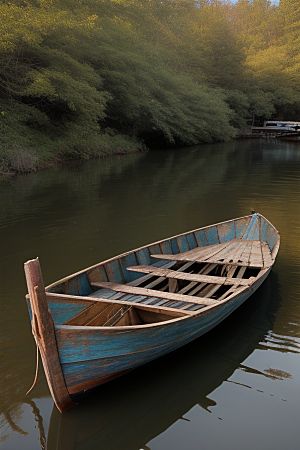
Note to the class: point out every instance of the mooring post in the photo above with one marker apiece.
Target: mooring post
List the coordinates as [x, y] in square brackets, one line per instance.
[44, 334]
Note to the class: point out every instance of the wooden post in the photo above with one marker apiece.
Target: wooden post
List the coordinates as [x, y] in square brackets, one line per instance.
[44, 334]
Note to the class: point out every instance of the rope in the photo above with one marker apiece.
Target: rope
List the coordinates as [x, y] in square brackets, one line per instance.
[36, 371]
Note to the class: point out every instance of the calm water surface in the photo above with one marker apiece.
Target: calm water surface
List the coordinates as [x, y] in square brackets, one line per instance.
[236, 388]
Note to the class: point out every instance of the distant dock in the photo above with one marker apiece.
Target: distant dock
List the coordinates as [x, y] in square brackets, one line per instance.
[275, 132]
[268, 132]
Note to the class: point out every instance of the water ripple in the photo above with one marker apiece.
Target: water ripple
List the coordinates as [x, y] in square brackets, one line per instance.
[280, 343]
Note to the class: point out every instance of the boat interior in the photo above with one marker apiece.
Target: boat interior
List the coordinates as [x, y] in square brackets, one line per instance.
[206, 292]
[163, 282]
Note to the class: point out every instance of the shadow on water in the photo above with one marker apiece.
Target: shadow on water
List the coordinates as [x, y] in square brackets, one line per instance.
[131, 411]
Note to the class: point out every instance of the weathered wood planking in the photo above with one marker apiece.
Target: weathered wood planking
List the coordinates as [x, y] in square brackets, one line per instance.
[61, 311]
[266, 256]
[172, 312]
[212, 235]
[110, 352]
[238, 252]
[169, 273]
[68, 286]
[154, 293]
[88, 314]
[226, 232]
[205, 270]
[196, 254]
[44, 333]
[92, 336]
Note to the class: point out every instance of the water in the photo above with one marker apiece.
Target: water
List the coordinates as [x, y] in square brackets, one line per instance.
[237, 387]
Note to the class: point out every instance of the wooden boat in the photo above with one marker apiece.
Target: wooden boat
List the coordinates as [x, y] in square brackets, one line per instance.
[162, 392]
[100, 323]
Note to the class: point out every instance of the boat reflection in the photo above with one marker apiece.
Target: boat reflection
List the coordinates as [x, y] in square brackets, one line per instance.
[129, 412]
[274, 151]
[13, 401]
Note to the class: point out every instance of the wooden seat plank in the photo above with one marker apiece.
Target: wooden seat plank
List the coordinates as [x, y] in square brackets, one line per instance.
[159, 309]
[256, 254]
[237, 252]
[141, 280]
[235, 255]
[153, 293]
[225, 252]
[213, 251]
[245, 256]
[121, 296]
[196, 253]
[154, 283]
[168, 273]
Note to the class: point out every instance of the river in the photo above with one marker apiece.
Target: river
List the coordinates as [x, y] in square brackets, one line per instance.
[236, 388]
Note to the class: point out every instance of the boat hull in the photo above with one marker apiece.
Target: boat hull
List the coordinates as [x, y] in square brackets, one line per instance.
[91, 356]
[110, 318]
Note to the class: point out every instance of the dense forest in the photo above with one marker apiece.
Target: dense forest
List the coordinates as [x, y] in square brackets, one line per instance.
[85, 78]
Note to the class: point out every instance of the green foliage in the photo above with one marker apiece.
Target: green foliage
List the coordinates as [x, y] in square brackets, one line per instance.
[148, 99]
[79, 79]
[239, 104]
[24, 146]
[27, 142]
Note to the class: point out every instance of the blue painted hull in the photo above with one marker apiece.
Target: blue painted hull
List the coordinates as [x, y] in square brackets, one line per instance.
[93, 353]
[90, 352]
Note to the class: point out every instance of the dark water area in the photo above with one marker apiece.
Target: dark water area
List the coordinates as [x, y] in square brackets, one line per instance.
[236, 388]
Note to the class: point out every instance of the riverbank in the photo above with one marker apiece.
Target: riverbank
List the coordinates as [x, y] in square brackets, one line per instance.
[15, 158]
[31, 153]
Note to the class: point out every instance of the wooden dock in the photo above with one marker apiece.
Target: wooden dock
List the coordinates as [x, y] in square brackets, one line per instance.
[273, 132]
